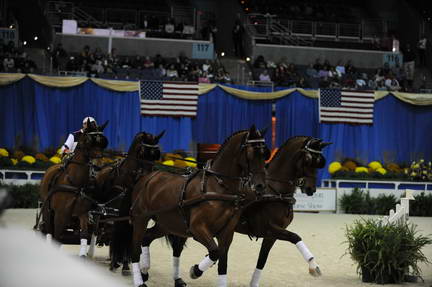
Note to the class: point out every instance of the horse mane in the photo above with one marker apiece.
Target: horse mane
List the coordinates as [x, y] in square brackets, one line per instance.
[285, 144]
[223, 146]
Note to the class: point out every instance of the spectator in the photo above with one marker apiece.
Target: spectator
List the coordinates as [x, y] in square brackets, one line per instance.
[317, 66]
[172, 73]
[158, 61]
[260, 62]
[126, 64]
[340, 69]
[85, 53]
[264, 76]
[421, 48]
[409, 64]
[391, 83]
[161, 72]
[97, 68]
[311, 72]
[237, 35]
[59, 57]
[137, 63]
[8, 63]
[349, 68]
[204, 78]
[227, 78]
[148, 64]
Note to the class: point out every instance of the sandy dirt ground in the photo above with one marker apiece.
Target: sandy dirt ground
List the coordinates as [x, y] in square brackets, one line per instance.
[323, 233]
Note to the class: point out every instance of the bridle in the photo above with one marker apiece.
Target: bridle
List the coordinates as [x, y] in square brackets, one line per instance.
[300, 180]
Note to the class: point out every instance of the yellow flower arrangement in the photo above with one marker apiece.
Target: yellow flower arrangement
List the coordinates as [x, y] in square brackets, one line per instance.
[29, 159]
[18, 154]
[189, 163]
[41, 157]
[334, 167]
[55, 159]
[59, 151]
[361, 169]
[14, 161]
[4, 152]
[168, 162]
[350, 165]
[381, 170]
[375, 165]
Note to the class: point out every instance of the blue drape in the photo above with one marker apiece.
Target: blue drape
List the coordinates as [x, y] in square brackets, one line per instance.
[400, 132]
[17, 114]
[221, 114]
[35, 115]
[60, 111]
[178, 131]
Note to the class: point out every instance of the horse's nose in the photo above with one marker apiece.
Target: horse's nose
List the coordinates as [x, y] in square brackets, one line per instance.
[260, 187]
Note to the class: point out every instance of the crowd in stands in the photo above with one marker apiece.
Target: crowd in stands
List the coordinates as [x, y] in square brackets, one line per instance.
[15, 60]
[322, 74]
[94, 63]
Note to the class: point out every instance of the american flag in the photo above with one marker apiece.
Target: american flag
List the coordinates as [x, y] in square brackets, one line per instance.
[168, 98]
[340, 106]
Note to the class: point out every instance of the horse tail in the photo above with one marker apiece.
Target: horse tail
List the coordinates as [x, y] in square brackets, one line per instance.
[121, 241]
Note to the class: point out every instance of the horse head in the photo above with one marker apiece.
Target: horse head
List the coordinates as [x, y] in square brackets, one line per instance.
[93, 141]
[309, 160]
[146, 146]
[243, 154]
[297, 163]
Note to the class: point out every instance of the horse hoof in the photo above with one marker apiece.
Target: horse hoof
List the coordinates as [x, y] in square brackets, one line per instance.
[145, 276]
[195, 272]
[125, 272]
[143, 285]
[179, 283]
[315, 272]
[83, 256]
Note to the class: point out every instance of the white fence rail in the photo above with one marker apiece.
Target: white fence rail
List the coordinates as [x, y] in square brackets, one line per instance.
[402, 210]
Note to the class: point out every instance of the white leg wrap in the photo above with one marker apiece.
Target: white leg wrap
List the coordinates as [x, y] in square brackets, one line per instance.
[176, 268]
[205, 264]
[145, 259]
[49, 238]
[256, 276]
[136, 272]
[91, 250]
[83, 249]
[307, 255]
[222, 281]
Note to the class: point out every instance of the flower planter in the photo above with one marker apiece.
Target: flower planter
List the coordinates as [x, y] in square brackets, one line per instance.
[370, 276]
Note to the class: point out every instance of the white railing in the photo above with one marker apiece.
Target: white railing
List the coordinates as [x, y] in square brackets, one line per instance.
[402, 210]
[20, 177]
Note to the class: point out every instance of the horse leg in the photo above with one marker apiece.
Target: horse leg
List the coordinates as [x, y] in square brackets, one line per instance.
[150, 235]
[177, 244]
[204, 236]
[266, 246]
[83, 219]
[224, 241]
[283, 234]
[48, 218]
[139, 230]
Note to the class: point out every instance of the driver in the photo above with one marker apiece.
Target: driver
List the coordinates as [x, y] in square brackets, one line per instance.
[69, 146]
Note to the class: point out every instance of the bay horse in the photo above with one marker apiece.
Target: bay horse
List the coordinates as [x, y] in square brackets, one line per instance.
[204, 205]
[119, 179]
[294, 165]
[63, 187]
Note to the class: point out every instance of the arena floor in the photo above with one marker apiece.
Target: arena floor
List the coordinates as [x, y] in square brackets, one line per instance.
[323, 233]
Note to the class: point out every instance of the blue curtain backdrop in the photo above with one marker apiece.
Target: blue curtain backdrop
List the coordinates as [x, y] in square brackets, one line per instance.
[40, 116]
[17, 114]
[400, 133]
[221, 114]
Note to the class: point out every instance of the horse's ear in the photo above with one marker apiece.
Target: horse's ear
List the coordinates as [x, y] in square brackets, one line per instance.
[102, 127]
[263, 131]
[252, 129]
[160, 135]
[324, 144]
